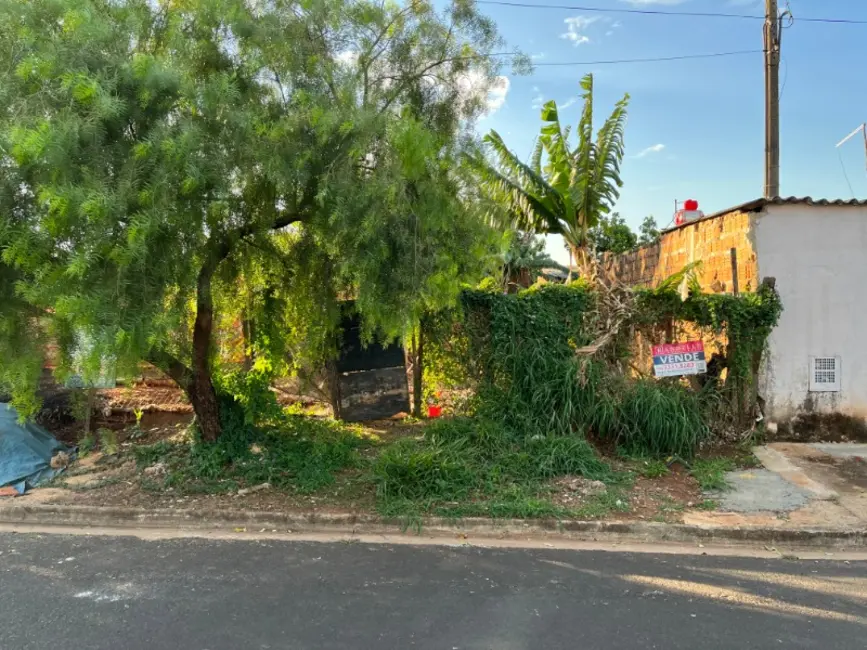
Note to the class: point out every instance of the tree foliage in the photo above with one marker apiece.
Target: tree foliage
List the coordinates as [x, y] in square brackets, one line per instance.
[612, 235]
[648, 232]
[565, 188]
[526, 253]
[167, 153]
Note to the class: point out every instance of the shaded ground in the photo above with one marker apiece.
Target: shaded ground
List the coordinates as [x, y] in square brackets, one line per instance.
[75, 592]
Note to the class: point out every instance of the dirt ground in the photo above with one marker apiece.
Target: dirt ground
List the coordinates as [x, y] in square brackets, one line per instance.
[100, 480]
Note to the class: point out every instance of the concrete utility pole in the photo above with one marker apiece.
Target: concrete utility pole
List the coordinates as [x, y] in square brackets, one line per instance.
[773, 36]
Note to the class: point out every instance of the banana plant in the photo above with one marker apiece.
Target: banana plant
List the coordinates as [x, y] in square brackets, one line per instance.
[564, 189]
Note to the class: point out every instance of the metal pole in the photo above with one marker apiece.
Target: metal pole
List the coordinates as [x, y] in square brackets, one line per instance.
[772, 100]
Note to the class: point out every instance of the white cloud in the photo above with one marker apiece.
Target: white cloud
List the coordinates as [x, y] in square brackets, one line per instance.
[474, 84]
[575, 27]
[568, 103]
[538, 102]
[652, 149]
[497, 94]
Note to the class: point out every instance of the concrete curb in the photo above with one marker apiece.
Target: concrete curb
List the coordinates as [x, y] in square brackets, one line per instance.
[362, 524]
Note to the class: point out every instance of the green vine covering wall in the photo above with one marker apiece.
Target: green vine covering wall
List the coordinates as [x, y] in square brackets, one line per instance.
[741, 325]
[516, 357]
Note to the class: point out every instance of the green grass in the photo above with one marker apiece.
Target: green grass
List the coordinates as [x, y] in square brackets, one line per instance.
[473, 468]
[708, 504]
[659, 420]
[297, 454]
[653, 469]
[710, 472]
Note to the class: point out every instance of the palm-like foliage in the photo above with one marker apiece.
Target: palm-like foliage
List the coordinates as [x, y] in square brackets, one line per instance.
[526, 254]
[565, 189]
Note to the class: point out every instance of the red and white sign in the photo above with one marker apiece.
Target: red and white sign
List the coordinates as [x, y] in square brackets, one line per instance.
[676, 359]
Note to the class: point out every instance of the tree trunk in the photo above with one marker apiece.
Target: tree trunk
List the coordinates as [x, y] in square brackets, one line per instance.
[203, 396]
[332, 384]
[585, 261]
[417, 356]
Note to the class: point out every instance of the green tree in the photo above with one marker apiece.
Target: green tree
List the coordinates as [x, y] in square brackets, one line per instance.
[167, 149]
[568, 191]
[648, 232]
[612, 235]
[526, 254]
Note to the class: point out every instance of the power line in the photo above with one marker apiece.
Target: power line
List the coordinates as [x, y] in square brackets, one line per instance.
[681, 57]
[663, 12]
[845, 175]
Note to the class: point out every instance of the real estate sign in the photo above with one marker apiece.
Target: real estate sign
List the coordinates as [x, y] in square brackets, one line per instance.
[677, 359]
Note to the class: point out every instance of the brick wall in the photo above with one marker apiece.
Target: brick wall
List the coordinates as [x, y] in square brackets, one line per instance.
[710, 241]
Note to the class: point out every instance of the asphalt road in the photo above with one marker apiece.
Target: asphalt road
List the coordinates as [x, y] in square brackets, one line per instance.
[59, 592]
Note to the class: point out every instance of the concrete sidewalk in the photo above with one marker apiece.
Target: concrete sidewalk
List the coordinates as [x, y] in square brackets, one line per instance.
[821, 486]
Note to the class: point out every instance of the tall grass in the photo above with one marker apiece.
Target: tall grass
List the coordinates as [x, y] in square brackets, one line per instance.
[472, 460]
[659, 419]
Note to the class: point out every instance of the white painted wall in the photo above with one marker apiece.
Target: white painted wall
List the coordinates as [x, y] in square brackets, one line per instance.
[818, 254]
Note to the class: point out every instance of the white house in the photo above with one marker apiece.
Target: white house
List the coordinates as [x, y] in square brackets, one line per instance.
[816, 250]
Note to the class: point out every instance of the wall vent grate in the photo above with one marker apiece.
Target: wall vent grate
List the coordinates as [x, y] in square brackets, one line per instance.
[825, 374]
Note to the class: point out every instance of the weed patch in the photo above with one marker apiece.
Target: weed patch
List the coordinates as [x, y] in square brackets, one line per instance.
[653, 469]
[710, 472]
[471, 467]
[295, 454]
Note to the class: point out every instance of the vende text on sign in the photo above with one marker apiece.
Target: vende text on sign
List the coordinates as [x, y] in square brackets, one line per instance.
[675, 359]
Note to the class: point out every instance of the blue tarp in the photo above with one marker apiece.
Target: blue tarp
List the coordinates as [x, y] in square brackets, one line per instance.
[25, 452]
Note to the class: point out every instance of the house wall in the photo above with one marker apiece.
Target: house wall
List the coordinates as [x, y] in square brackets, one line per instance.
[818, 255]
[710, 241]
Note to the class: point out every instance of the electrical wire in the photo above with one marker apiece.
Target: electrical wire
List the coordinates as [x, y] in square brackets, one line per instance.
[663, 12]
[845, 175]
[657, 59]
[785, 78]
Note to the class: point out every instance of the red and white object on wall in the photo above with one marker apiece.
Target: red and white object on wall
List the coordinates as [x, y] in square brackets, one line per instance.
[689, 212]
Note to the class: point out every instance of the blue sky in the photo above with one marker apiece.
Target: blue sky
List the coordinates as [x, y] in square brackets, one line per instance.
[696, 128]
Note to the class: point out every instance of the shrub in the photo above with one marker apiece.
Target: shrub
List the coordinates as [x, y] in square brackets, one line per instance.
[296, 453]
[660, 419]
[410, 470]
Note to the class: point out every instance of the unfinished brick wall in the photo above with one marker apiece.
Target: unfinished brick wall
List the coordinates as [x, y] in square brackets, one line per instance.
[709, 241]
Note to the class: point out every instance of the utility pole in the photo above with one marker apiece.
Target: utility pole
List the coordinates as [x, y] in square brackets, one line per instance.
[773, 36]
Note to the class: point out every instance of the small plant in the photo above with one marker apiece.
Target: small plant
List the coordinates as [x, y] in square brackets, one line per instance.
[107, 441]
[710, 472]
[86, 444]
[708, 504]
[654, 469]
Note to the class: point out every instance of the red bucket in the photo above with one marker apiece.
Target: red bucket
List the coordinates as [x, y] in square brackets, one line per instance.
[434, 411]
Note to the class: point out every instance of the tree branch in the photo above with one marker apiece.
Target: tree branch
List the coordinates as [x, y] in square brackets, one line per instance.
[171, 366]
